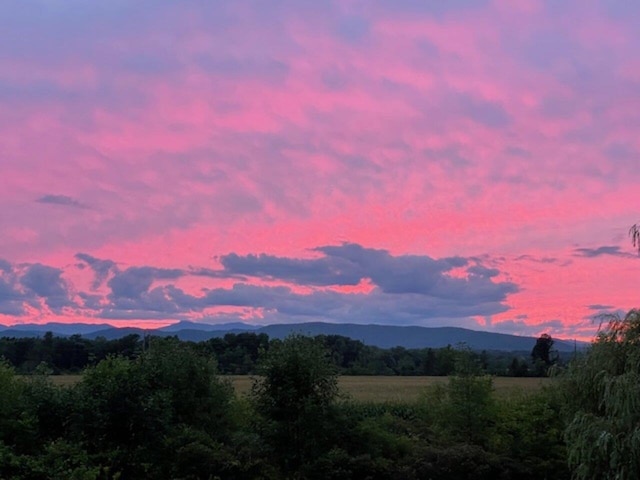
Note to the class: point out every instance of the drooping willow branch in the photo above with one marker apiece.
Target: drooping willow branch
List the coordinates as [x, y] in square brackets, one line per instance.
[634, 233]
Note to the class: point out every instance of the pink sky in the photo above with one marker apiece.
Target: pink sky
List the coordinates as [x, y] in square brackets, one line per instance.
[466, 163]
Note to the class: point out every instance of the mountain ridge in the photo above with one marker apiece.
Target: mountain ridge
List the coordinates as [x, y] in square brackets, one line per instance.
[383, 336]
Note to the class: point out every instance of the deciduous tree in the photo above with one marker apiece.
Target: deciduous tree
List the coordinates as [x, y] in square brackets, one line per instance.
[295, 395]
[602, 392]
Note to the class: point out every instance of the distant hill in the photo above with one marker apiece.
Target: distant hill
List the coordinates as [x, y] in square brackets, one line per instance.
[387, 336]
[17, 333]
[207, 327]
[384, 336]
[113, 333]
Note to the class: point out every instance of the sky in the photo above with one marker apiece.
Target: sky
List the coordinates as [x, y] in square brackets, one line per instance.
[463, 163]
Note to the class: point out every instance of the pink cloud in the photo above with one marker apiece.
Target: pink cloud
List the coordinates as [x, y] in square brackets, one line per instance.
[497, 128]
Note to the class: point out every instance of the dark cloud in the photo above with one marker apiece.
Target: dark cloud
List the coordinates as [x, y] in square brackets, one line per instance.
[101, 268]
[210, 272]
[47, 282]
[400, 274]
[281, 304]
[91, 301]
[245, 295]
[411, 289]
[520, 327]
[323, 271]
[133, 282]
[597, 306]
[605, 250]
[347, 264]
[5, 266]
[62, 200]
[8, 291]
[10, 296]
[408, 289]
[157, 300]
[11, 292]
[531, 258]
[483, 271]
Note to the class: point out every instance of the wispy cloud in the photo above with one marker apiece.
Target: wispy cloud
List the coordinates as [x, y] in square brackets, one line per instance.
[598, 307]
[62, 200]
[605, 250]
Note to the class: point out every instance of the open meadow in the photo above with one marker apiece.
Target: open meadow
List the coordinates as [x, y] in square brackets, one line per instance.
[404, 389]
[378, 388]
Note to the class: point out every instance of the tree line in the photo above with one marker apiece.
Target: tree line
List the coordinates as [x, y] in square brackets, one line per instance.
[166, 413]
[239, 354]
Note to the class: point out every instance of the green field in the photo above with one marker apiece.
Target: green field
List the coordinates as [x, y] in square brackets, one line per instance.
[378, 388]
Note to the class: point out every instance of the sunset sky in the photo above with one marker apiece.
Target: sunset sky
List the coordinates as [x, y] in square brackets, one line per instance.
[463, 163]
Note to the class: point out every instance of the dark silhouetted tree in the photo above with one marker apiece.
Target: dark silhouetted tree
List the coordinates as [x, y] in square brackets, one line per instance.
[542, 354]
[542, 349]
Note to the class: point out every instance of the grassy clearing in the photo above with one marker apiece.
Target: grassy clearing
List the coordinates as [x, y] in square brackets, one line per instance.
[65, 380]
[405, 389]
[377, 388]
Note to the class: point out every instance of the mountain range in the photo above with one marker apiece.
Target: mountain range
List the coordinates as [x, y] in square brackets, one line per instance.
[383, 336]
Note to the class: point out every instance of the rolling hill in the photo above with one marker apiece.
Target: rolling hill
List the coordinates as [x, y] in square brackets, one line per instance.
[384, 336]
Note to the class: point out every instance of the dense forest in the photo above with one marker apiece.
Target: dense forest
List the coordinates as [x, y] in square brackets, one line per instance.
[239, 354]
[163, 412]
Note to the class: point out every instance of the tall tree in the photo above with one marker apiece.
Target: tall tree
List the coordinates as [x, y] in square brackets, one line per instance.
[543, 356]
[295, 396]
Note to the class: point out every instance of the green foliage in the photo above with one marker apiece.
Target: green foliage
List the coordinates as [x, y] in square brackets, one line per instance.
[237, 354]
[462, 409]
[164, 413]
[62, 354]
[529, 429]
[517, 368]
[132, 413]
[295, 397]
[192, 392]
[11, 425]
[465, 462]
[602, 392]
